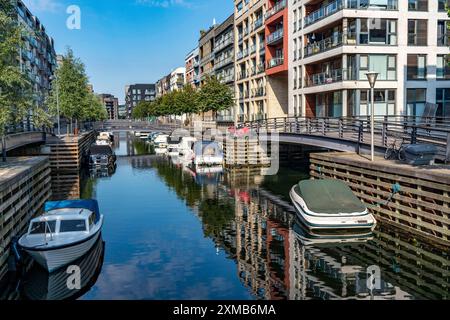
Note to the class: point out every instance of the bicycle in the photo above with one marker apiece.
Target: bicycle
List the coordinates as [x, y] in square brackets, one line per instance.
[394, 153]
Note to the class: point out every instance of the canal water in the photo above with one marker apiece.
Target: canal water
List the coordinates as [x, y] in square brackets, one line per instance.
[172, 233]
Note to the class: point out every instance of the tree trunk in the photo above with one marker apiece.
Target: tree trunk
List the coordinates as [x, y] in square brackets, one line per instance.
[4, 148]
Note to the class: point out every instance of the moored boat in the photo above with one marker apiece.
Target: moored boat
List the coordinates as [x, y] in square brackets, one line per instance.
[64, 233]
[207, 153]
[330, 204]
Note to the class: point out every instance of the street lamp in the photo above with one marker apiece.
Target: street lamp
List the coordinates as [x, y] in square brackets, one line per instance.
[372, 77]
[54, 77]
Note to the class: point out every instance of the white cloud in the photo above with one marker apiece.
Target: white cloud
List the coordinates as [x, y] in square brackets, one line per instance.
[43, 5]
[165, 3]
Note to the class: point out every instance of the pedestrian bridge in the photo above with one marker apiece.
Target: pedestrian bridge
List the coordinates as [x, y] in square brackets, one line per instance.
[353, 134]
[23, 139]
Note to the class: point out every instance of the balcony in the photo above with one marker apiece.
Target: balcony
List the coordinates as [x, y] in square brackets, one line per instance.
[257, 24]
[275, 62]
[323, 45]
[226, 78]
[242, 75]
[252, 49]
[275, 9]
[274, 37]
[223, 62]
[224, 43]
[324, 12]
[262, 48]
[338, 5]
[324, 78]
[259, 92]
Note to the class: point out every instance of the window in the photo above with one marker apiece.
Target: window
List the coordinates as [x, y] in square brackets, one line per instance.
[43, 227]
[443, 102]
[443, 4]
[417, 32]
[91, 220]
[418, 5]
[417, 67]
[443, 68]
[385, 65]
[377, 31]
[416, 102]
[384, 102]
[443, 37]
[72, 225]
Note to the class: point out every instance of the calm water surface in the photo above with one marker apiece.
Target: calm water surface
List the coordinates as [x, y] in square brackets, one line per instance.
[171, 233]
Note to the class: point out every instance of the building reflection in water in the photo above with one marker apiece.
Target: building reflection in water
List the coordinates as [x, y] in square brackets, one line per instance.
[278, 259]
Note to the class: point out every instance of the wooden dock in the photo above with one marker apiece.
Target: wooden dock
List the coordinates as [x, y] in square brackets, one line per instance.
[242, 152]
[421, 207]
[24, 188]
[66, 158]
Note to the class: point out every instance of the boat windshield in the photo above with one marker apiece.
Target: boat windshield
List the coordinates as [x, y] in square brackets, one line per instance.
[42, 227]
[72, 226]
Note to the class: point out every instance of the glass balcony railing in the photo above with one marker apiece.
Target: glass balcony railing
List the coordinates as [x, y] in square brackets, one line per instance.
[275, 36]
[323, 45]
[275, 62]
[337, 5]
[322, 78]
[280, 5]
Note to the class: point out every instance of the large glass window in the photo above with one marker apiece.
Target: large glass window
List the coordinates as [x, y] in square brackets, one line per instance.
[72, 225]
[443, 34]
[377, 31]
[384, 102]
[443, 67]
[418, 5]
[443, 4]
[443, 102]
[417, 32]
[416, 102]
[417, 67]
[385, 65]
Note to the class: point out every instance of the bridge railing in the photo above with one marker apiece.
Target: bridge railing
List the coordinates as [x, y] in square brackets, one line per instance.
[17, 140]
[387, 129]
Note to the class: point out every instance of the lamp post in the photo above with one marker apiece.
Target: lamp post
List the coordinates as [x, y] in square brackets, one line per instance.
[54, 77]
[372, 77]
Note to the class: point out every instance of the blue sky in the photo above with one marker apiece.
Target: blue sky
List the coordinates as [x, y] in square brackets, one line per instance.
[129, 41]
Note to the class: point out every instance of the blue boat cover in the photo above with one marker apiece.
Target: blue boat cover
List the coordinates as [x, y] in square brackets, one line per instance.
[89, 204]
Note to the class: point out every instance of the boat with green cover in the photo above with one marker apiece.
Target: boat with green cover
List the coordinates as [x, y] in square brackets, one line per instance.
[330, 204]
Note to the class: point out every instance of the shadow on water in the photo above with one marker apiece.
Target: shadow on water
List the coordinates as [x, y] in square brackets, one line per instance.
[176, 233]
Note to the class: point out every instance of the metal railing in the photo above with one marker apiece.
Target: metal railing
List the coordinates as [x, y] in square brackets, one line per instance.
[275, 62]
[280, 5]
[388, 129]
[323, 45]
[324, 78]
[275, 36]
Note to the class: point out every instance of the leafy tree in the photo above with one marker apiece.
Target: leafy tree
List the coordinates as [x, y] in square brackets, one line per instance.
[76, 103]
[215, 96]
[15, 88]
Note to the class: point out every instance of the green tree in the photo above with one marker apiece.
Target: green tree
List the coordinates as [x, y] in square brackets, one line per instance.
[215, 96]
[76, 103]
[15, 88]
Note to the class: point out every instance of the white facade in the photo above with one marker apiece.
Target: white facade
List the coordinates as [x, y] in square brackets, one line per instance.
[177, 77]
[328, 58]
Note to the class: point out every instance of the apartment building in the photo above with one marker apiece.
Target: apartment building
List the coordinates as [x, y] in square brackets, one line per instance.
[37, 57]
[206, 53]
[335, 43]
[192, 63]
[111, 105]
[136, 93]
[261, 86]
[224, 60]
[177, 79]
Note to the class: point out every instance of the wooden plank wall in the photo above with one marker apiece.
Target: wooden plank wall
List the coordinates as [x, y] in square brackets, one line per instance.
[423, 205]
[243, 152]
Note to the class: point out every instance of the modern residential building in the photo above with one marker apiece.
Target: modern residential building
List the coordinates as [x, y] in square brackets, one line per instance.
[163, 86]
[177, 79]
[111, 105]
[122, 111]
[250, 61]
[224, 60]
[335, 43]
[206, 53]
[192, 63]
[136, 93]
[37, 57]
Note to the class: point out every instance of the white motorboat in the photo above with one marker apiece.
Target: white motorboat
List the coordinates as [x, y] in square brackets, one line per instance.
[207, 153]
[173, 146]
[186, 145]
[161, 141]
[65, 232]
[330, 204]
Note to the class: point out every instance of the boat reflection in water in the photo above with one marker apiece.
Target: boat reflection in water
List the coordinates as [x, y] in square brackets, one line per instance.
[38, 284]
[102, 172]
